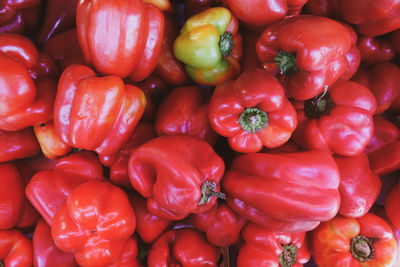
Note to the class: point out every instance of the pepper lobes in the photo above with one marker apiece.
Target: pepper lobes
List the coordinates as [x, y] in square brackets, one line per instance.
[210, 46]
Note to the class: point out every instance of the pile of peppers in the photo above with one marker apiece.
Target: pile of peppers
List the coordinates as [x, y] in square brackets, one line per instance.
[218, 133]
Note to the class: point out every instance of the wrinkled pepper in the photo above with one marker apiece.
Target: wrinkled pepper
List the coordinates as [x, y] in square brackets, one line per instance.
[252, 112]
[15, 249]
[264, 247]
[367, 241]
[211, 46]
[291, 192]
[121, 38]
[338, 120]
[306, 52]
[185, 112]
[177, 174]
[96, 113]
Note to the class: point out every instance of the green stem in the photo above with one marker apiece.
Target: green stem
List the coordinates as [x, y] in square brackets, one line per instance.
[319, 106]
[209, 190]
[226, 44]
[361, 248]
[286, 62]
[253, 120]
[288, 255]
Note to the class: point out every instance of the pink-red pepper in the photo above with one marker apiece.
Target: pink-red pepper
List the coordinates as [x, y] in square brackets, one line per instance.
[15, 249]
[18, 144]
[392, 205]
[385, 132]
[177, 174]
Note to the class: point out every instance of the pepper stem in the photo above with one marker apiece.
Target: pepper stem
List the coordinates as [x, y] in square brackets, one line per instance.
[318, 106]
[226, 44]
[286, 62]
[209, 190]
[288, 255]
[253, 120]
[361, 248]
[1, 264]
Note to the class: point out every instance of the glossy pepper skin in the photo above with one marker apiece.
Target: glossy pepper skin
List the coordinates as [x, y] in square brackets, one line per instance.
[210, 46]
[45, 252]
[370, 17]
[307, 52]
[18, 144]
[264, 247]
[359, 186]
[386, 159]
[19, 16]
[185, 112]
[284, 192]
[118, 162]
[221, 225]
[325, 8]
[382, 80]
[49, 189]
[338, 120]
[25, 100]
[50, 143]
[264, 12]
[375, 50]
[385, 132]
[184, 247]
[366, 241]
[177, 174]
[15, 249]
[96, 113]
[252, 112]
[121, 38]
[392, 205]
[11, 196]
[94, 223]
[148, 226]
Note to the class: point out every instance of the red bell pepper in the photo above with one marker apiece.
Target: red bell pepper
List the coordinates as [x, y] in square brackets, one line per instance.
[15, 249]
[96, 113]
[177, 174]
[308, 52]
[367, 241]
[60, 16]
[183, 247]
[18, 145]
[384, 133]
[185, 112]
[353, 56]
[221, 224]
[382, 80]
[49, 189]
[168, 67]
[45, 252]
[300, 189]
[252, 112]
[121, 38]
[192, 7]
[128, 256]
[19, 16]
[392, 205]
[325, 8]
[264, 247]
[11, 196]
[375, 50]
[118, 162]
[395, 38]
[51, 144]
[94, 223]
[264, 12]
[148, 226]
[24, 102]
[337, 121]
[372, 18]
[249, 58]
[64, 49]
[359, 186]
[386, 159]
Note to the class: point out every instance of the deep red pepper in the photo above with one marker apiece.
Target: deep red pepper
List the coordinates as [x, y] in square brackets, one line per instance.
[359, 186]
[384, 133]
[15, 249]
[18, 145]
[45, 252]
[385, 159]
[252, 112]
[249, 58]
[221, 224]
[375, 50]
[308, 52]
[289, 192]
[192, 7]
[19, 16]
[177, 174]
[325, 8]
[395, 37]
[392, 205]
[264, 247]
[183, 247]
[353, 56]
[185, 112]
[49, 189]
[337, 121]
